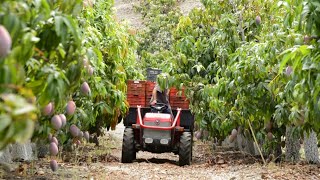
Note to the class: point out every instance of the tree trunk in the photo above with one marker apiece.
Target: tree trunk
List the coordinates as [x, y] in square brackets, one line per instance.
[42, 149]
[240, 144]
[311, 147]
[245, 144]
[292, 145]
[278, 150]
[23, 152]
[5, 155]
[250, 146]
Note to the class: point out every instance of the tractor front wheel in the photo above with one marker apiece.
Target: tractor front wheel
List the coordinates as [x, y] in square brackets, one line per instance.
[185, 149]
[128, 147]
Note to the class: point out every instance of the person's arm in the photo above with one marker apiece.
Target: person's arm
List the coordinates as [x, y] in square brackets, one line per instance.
[154, 96]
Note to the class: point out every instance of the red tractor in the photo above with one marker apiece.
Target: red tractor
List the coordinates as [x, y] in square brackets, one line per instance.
[157, 132]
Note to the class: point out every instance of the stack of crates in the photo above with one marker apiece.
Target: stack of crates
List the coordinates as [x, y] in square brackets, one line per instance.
[177, 100]
[149, 88]
[140, 93]
[136, 93]
[152, 74]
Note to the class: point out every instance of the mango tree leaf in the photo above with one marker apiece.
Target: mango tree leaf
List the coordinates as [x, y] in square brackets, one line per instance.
[23, 130]
[23, 109]
[5, 121]
[285, 59]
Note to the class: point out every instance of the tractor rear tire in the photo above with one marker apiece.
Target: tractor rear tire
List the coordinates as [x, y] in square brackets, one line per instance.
[128, 146]
[185, 149]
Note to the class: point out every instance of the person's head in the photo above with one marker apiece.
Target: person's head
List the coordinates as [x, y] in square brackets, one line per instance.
[163, 81]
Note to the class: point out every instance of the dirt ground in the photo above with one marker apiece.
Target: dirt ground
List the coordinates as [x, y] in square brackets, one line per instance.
[89, 162]
[125, 13]
[187, 5]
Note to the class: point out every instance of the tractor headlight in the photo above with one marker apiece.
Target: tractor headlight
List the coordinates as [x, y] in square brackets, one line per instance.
[164, 141]
[148, 140]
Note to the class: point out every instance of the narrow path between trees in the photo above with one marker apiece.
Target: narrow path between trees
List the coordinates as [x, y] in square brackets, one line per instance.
[227, 165]
[125, 12]
[207, 164]
[165, 166]
[103, 162]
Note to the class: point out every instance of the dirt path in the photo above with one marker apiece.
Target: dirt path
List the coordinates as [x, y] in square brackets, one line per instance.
[103, 163]
[187, 5]
[165, 166]
[232, 165]
[125, 13]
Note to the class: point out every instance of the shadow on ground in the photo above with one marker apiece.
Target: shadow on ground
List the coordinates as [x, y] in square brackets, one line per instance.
[157, 161]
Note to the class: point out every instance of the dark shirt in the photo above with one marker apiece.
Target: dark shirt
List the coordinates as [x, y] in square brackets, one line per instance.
[162, 97]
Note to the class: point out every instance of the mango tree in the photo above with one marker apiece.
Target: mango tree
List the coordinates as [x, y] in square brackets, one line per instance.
[230, 51]
[300, 81]
[66, 64]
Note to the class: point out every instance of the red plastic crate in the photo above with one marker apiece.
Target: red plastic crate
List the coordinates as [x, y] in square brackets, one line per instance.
[135, 100]
[135, 104]
[138, 97]
[136, 87]
[178, 100]
[174, 93]
[182, 105]
[149, 87]
[136, 82]
[136, 93]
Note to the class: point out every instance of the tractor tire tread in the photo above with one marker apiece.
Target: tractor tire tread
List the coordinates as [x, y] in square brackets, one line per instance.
[185, 149]
[128, 147]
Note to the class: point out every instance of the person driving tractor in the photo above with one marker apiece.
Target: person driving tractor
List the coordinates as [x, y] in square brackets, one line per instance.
[160, 93]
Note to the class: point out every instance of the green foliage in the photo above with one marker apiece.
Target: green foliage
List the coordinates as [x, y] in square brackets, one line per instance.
[155, 41]
[111, 52]
[17, 117]
[163, 80]
[44, 41]
[233, 70]
[56, 46]
[300, 88]
[310, 17]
